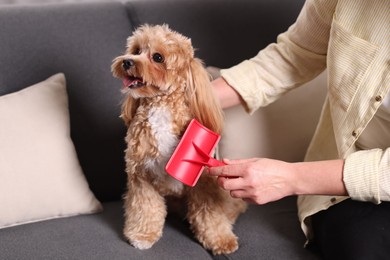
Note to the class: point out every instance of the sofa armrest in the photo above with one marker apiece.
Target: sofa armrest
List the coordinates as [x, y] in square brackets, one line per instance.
[282, 130]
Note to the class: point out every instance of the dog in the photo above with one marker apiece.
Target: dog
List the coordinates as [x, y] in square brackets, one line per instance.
[164, 87]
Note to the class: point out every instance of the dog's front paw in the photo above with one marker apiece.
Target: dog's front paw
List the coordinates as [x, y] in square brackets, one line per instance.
[144, 241]
[223, 245]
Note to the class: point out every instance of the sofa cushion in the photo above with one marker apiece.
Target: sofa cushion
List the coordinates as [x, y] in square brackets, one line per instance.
[40, 176]
[265, 232]
[80, 40]
[271, 231]
[97, 236]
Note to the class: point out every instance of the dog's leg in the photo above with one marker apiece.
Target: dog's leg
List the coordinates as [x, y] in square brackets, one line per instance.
[145, 213]
[210, 220]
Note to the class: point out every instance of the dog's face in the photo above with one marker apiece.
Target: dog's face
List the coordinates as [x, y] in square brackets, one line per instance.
[156, 61]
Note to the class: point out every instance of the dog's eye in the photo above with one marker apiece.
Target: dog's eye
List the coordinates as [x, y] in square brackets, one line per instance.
[157, 57]
[137, 51]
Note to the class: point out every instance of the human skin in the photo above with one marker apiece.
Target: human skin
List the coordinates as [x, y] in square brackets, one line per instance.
[262, 180]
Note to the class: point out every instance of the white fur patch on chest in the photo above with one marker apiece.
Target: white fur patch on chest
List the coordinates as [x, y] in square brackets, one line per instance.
[160, 120]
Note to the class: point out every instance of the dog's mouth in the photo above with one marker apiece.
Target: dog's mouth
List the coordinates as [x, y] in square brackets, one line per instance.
[133, 82]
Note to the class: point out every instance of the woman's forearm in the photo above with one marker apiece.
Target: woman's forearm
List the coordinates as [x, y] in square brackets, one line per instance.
[262, 180]
[227, 96]
[319, 178]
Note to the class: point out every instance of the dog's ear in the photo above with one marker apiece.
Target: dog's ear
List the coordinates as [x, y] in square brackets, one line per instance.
[129, 107]
[203, 103]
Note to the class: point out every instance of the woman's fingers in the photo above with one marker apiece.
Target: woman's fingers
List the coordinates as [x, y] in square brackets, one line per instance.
[230, 183]
[233, 168]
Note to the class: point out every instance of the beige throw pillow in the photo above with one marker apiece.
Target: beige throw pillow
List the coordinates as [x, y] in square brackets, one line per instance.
[40, 176]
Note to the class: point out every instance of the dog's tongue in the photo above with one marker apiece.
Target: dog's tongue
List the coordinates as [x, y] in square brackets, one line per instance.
[132, 82]
[127, 81]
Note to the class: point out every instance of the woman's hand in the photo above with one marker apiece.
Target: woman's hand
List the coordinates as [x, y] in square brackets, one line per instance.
[255, 180]
[260, 180]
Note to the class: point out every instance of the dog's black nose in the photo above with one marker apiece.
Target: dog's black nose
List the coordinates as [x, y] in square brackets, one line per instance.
[127, 64]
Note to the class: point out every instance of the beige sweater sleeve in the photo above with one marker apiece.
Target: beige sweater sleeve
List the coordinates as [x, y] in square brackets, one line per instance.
[297, 57]
[366, 175]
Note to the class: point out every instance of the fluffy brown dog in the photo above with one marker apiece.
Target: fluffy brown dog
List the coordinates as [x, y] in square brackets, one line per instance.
[165, 86]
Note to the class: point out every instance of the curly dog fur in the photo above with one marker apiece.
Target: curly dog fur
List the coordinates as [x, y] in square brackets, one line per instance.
[165, 86]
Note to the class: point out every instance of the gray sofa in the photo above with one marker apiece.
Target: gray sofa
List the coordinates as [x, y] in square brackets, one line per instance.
[80, 40]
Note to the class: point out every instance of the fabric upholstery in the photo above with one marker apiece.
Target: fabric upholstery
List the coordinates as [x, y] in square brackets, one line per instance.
[242, 31]
[101, 238]
[79, 40]
[268, 232]
[40, 175]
